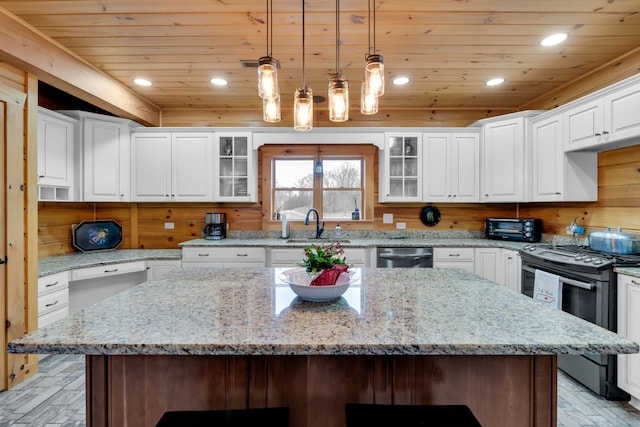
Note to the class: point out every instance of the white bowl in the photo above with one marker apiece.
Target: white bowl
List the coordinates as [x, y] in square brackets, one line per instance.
[298, 280]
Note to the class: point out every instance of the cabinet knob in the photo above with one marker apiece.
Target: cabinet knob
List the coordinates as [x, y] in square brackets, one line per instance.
[598, 134]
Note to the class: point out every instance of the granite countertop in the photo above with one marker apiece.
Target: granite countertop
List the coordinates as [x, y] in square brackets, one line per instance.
[630, 271]
[208, 311]
[59, 263]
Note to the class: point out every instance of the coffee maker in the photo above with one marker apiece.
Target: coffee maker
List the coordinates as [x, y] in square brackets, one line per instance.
[216, 227]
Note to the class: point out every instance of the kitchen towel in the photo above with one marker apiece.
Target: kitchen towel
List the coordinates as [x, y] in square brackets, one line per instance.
[547, 288]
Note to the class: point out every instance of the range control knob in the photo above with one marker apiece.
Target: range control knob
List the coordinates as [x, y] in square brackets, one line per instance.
[597, 261]
[588, 259]
[578, 257]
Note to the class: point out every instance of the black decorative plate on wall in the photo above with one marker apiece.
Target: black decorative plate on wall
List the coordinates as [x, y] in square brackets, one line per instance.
[91, 236]
[430, 216]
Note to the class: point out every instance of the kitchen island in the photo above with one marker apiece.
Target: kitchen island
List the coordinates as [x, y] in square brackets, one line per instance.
[199, 339]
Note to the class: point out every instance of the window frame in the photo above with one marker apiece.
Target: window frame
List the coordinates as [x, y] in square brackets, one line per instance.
[364, 152]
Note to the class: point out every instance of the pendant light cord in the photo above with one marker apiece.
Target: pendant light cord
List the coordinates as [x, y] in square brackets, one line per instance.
[338, 37]
[304, 84]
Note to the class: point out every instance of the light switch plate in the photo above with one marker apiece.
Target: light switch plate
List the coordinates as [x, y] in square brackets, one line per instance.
[168, 226]
[401, 225]
[387, 218]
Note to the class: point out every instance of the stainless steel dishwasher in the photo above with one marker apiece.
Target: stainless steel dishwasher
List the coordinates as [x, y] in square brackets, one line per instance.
[421, 257]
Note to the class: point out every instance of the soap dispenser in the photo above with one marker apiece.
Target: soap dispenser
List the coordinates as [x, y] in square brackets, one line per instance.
[338, 234]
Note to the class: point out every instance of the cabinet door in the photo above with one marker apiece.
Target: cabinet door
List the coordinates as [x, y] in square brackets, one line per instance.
[191, 160]
[503, 161]
[465, 167]
[488, 264]
[622, 120]
[512, 268]
[437, 153]
[629, 327]
[106, 161]
[235, 176]
[156, 268]
[584, 125]
[548, 154]
[151, 167]
[401, 180]
[56, 135]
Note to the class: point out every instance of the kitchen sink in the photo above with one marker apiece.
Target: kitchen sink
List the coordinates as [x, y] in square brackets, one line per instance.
[321, 241]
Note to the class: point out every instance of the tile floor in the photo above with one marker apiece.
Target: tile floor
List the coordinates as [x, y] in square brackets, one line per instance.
[55, 398]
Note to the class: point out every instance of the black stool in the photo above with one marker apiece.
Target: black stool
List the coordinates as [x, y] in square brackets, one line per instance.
[371, 415]
[277, 417]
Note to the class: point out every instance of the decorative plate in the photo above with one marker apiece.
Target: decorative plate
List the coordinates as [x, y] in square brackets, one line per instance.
[91, 236]
[430, 216]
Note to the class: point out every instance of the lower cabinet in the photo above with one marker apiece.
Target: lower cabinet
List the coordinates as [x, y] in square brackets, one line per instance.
[488, 264]
[91, 285]
[512, 270]
[227, 256]
[292, 257]
[629, 327]
[454, 258]
[53, 298]
[158, 267]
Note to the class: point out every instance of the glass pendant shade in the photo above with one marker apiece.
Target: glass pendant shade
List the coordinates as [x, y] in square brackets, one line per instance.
[374, 74]
[267, 77]
[303, 109]
[368, 101]
[271, 109]
[338, 98]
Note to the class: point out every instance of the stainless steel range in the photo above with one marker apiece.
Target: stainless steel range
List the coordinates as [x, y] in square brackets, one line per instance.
[589, 291]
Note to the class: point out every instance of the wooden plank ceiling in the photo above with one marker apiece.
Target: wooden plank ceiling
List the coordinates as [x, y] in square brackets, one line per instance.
[448, 48]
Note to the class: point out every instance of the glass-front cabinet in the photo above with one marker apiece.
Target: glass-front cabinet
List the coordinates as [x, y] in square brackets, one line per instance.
[235, 172]
[401, 177]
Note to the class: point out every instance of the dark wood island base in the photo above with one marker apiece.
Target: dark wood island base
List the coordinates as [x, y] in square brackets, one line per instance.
[501, 390]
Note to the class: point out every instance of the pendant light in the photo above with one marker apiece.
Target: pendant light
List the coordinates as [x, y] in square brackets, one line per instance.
[368, 101]
[303, 99]
[374, 69]
[268, 88]
[338, 85]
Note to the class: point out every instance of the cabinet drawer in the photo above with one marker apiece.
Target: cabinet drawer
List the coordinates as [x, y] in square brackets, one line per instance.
[453, 254]
[52, 316]
[356, 256]
[227, 254]
[291, 257]
[53, 301]
[53, 283]
[108, 270]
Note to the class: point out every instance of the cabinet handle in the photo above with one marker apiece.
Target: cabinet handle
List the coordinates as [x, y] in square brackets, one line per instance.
[604, 132]
[454, 254]
[40, 176]
[50, 284]
[204, 254]
[598, 134]
[111, 271]
[242, 254]
[634, 282]
[52, 304]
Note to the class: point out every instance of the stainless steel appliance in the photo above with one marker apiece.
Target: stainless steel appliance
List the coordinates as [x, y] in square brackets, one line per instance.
[421, 257]
[515, 229]
[589, 291]
[216, 228]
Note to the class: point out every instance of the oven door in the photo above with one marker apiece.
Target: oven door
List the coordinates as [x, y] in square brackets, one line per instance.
[584, 298]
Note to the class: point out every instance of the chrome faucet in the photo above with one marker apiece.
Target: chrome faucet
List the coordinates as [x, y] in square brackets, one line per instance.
[318, 229]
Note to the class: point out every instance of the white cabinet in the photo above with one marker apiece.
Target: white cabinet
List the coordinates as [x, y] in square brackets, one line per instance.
[451, 167]
[171, 166]
[629, 327]
[105, 143]
[505, 157]
[559, 176]
[53, 298]
[512, 270]
[235, 177]
[158, 267]
[454, 258]
[400, 174]
[605, 119]
[292, 257]
[223, 256]
[488, 264]
[56, 162]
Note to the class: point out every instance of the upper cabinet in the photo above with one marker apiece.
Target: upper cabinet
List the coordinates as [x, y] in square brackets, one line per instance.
[400, 173]
[451, 166]
[235, 178]
[56, 162]
[558, 176]
[604, 120]
[171, 166]
[105, 143]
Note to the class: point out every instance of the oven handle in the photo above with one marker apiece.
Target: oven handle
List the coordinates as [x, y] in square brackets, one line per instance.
[583, 285]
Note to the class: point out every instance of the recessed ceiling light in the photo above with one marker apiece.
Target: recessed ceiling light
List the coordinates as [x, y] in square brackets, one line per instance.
[142, 82]
[218, 82]
[495, 82]
[401, 80]
[554, 39]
